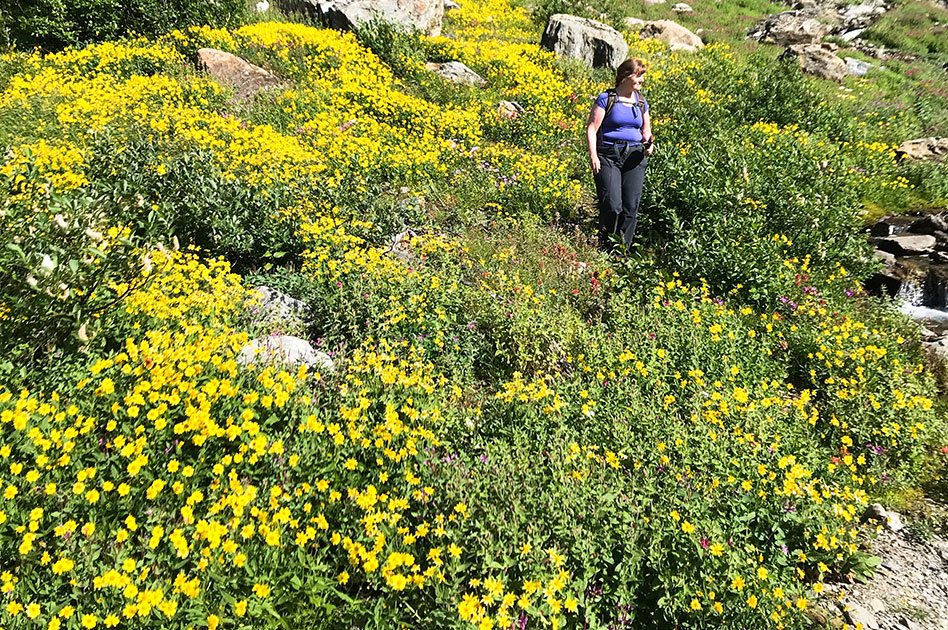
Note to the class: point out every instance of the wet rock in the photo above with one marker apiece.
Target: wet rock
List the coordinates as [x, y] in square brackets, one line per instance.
[598, 44]
[930, 224]
[455, 72]
[228, 69]
[285, 349]
[906, 244]
[923, 149]
[818, 59]
[677, 36]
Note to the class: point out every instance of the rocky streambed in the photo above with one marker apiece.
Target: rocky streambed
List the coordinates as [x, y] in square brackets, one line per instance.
[914, 251]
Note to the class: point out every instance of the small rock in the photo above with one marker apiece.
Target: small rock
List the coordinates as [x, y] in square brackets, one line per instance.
[292, 351]
[681, 7]
[401, 244]
[451, 5]
[885, 257]
[634, 24]
[509, 109]
[817, 615]
[261, 7]
[857, 68]
[876, 605]
[851, 35]
[455, 72]
[654, 2]
[277, 306]
[875, 512]
[856, 614]
[909, 623]
[895, 522]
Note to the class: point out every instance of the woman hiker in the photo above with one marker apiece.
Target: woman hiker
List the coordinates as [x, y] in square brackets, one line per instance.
[619, 135]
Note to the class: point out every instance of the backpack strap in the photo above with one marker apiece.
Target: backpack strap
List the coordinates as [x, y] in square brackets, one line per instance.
[611, 98]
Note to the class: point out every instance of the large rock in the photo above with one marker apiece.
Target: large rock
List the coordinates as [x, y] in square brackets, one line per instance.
[818, 59]
[424, 15]
[924, 149]
[231, 70]
[677, 36]
[598, 44]
[791, 28]
[288, 350]
[906, 244]
[455, 72]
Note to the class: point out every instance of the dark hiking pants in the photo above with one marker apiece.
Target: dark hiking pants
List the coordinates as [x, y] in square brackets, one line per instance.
[619, 189]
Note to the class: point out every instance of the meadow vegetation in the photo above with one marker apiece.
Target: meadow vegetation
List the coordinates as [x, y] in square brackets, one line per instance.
[519, 431]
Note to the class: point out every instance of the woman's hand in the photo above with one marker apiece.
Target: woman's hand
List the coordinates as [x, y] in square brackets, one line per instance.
[651, 147]
[594, 162]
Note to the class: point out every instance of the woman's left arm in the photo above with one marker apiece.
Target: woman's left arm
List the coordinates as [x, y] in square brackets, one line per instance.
[647, 132]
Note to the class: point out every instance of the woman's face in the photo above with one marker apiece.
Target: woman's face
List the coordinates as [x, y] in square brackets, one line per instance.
[637, 81]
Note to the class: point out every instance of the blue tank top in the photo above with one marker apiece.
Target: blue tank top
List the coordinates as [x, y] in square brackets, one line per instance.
[624, 122]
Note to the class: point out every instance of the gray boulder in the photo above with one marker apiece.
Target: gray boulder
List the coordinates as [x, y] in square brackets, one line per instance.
[818, 59]
[231, 70]
[424, 15]
[455, 72]
[598, 44]
[677, 36]
[288, 350]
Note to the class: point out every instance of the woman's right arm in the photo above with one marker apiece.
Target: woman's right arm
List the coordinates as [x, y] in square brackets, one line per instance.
[596, 115]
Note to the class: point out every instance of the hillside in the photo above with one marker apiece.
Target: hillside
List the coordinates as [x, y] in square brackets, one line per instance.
[496, 425]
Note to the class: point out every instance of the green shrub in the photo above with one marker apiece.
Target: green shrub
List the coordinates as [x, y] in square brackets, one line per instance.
[56, 24]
